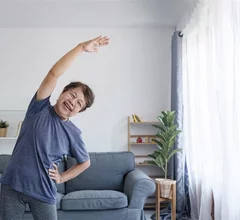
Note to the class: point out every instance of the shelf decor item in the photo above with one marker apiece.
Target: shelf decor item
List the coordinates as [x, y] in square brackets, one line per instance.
[19, 128]
[165, 140]
[139, 140]
[3, 128]
[137, 118]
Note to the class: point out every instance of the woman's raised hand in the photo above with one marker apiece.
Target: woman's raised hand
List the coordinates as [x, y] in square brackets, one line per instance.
[94, 44]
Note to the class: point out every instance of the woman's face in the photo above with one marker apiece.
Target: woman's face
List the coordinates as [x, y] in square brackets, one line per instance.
[70, 103]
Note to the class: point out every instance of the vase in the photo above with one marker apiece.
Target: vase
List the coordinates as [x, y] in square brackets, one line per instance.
[3, 132]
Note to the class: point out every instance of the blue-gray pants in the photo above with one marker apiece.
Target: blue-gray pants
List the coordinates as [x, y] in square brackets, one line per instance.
[13, 204]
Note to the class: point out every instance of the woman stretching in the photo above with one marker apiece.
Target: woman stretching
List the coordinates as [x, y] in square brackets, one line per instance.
[46, 135]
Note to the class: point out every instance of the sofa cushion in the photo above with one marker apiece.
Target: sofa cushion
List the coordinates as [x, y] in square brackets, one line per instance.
[59, 200]
[94, 200]
[106, 172]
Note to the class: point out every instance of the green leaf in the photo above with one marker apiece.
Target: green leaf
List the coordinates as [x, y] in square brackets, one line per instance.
[160, 161]
[177, 132]
[160, 119]
[162, 154]
[174, 152]
[170, 144]
[165, 121]
[161, 137]
[158, 142]
[160, 127]
[151, 162]
[165, 114]
[173, 135]
[153, 155]
[3, 124]
[172, 138]
[172, 128]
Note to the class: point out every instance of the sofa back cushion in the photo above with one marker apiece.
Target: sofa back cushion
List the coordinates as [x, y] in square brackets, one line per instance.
[4, 158]
[107, 172]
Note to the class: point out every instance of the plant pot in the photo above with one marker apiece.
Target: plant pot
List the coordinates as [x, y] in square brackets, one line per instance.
[165, 187]
[3, 132]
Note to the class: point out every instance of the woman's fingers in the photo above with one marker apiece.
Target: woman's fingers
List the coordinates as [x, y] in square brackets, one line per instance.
[97, 38]
[55, 166]
[103, 41]
[52, 173]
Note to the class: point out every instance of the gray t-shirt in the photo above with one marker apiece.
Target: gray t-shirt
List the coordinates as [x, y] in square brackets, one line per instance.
[43, 140]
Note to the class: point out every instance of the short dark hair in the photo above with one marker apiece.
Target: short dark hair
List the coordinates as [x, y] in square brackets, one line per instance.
[87, 92]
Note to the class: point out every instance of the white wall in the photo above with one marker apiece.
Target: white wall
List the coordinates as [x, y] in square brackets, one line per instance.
[131, 75]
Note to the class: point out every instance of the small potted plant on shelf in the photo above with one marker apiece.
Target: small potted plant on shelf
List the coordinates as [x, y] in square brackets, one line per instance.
[165, 140]
[3, 128]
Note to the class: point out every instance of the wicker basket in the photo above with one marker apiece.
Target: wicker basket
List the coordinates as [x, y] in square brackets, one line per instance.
[165, 187]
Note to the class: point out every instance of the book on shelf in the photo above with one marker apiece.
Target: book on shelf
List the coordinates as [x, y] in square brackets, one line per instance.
[137, 118]
[19, 128]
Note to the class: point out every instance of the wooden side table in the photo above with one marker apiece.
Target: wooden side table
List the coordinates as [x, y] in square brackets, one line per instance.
[172, 199]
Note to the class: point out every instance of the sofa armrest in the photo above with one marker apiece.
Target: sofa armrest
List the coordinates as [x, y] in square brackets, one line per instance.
[138, 186]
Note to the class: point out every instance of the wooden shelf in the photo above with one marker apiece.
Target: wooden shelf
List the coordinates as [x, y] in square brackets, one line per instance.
[142, 135]
[150, 206]
[147, 132]
[8, 138]
[13, 110]
[146, 122]
[144, 164]
[133, 143]
[141, 155]
[153, 205]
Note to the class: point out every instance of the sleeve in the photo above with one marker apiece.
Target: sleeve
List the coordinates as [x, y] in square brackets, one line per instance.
[36, 106]
[78, 150]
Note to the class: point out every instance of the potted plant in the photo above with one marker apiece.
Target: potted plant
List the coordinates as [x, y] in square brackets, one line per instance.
[3, 128]
[165, 140]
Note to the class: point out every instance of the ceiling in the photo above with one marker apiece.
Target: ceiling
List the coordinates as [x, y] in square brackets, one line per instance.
[92, 13]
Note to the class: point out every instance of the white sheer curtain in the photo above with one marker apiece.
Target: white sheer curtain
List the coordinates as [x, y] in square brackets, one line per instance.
[211, 99]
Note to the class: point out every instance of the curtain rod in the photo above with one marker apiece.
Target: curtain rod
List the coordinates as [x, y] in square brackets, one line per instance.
[180, 34]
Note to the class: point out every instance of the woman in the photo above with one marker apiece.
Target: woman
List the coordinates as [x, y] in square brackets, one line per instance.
[46, 135]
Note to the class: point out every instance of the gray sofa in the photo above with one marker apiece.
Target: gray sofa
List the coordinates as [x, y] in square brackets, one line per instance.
[110, 189]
